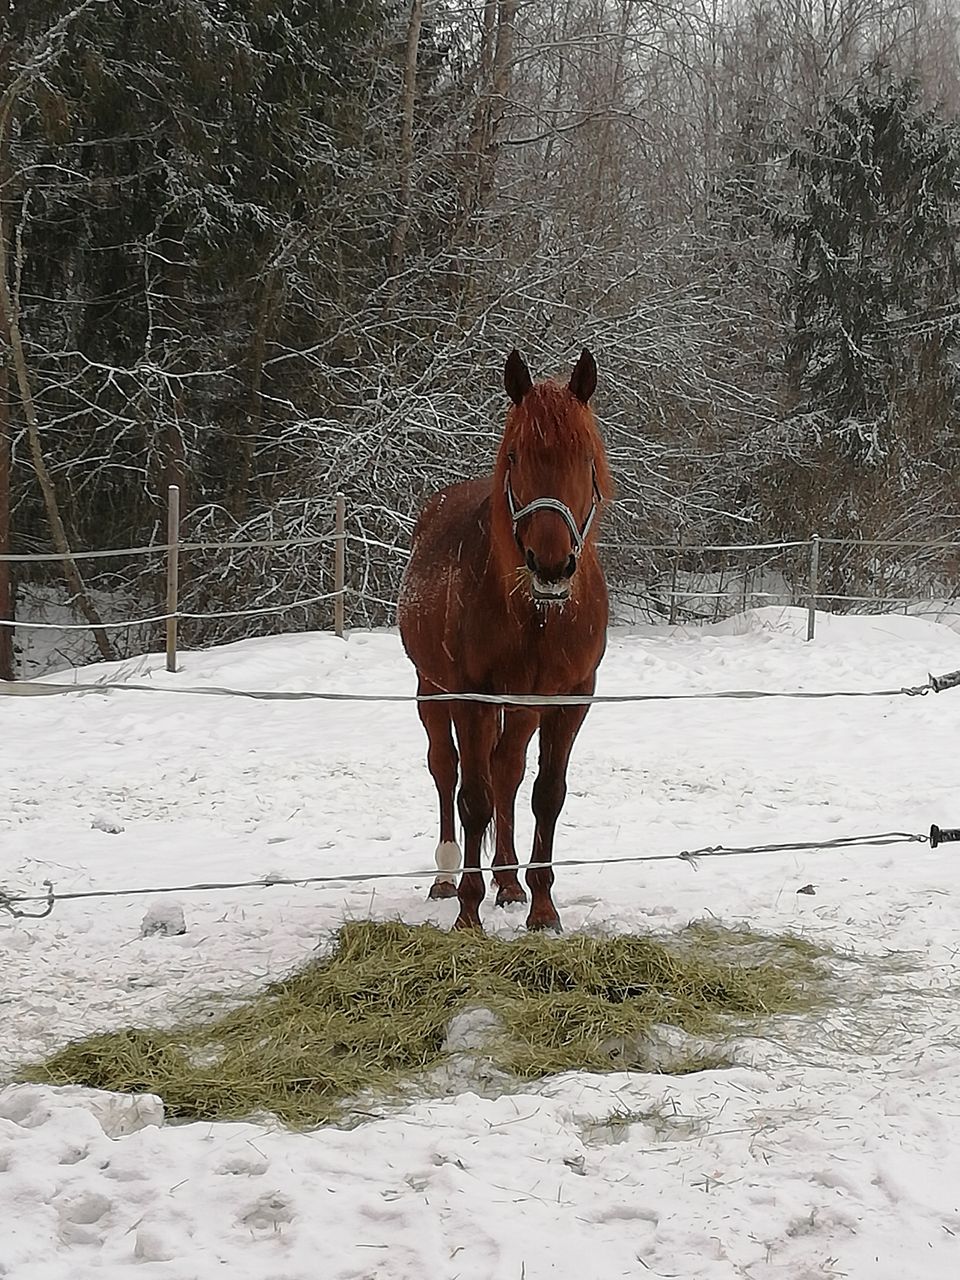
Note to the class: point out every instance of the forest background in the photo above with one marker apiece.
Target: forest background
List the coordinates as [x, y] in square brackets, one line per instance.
[269, 250]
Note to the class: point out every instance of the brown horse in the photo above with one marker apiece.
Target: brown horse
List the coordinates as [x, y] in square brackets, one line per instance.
[504, 594]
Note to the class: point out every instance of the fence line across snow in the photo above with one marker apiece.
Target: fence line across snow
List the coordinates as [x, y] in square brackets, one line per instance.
[313, 540]
[10, 902]
[162, 548]
[339, 537]
[47, 689]
[305, 603]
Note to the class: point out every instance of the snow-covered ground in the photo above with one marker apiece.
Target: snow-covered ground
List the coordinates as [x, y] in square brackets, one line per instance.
[831, 1150]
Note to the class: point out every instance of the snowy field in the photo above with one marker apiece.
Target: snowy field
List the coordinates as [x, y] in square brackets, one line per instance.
[833, 1147]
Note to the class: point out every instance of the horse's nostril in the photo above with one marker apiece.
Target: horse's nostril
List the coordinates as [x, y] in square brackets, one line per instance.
[571, 568]
[531, 561]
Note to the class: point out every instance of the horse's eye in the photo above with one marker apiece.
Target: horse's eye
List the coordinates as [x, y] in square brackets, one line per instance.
[511, 457]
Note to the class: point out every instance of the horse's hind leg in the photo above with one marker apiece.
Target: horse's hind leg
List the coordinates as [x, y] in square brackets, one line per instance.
[509, 761]
[443, 763]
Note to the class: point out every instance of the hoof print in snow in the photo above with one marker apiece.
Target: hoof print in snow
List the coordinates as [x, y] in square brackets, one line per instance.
[270, 1213]
[153, 1244]
[163, 920]
[807, 889]
[103, 822]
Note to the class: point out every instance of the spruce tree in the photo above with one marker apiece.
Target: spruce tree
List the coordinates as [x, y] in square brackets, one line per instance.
[174, 175]
[871, 358]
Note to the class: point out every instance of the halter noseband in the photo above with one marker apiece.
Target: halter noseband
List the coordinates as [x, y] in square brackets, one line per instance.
[578, 535]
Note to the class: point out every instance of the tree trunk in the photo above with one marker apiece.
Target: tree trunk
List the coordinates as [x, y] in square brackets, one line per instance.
[10, 328]
[408, 104]
[480, 122]
[172, 445]
[494, 80]
[7, 671]
[45, 51]
[6, 576]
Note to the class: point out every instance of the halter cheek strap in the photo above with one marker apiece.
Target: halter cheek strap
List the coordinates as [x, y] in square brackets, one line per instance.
[578, 534]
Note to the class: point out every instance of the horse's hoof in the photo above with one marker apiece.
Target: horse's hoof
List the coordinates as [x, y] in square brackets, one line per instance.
[510, 893]
[547, 925]
[463, 922]
[442, 889]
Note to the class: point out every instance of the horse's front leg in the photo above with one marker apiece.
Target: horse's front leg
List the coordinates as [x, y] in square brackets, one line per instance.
[477, 726]
[509, 761]
[559, 727]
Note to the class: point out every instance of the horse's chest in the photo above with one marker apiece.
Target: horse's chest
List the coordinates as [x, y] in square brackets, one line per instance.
[545, 655]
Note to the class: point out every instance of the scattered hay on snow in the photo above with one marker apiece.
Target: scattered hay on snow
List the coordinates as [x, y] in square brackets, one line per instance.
[381, 1013]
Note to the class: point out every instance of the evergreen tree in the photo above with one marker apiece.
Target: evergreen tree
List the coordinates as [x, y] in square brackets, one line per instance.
[871, 359]
[176, 181]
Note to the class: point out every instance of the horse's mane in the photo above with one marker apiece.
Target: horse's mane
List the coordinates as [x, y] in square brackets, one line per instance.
[550, 419]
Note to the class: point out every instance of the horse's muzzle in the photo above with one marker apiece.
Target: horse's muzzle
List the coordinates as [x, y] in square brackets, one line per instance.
[550, 585]
[549, 592]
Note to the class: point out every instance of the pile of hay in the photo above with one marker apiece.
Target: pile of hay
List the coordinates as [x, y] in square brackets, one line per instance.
[376, 1011]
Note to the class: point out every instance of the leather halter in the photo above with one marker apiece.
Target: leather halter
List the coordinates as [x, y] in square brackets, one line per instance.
[579, 535]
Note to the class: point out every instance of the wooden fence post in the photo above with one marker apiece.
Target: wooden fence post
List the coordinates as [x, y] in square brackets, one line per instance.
[673, 577]
[339, 564]
[173, 572]
[814, 585]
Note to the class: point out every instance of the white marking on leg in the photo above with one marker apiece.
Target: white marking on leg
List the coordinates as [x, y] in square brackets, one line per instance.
[449, 858]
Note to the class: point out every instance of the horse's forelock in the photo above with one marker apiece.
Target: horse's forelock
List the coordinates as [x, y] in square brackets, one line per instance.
[551, 417]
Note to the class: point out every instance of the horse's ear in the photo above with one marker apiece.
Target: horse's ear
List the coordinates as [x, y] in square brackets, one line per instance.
[583, 380]
[516, 376]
